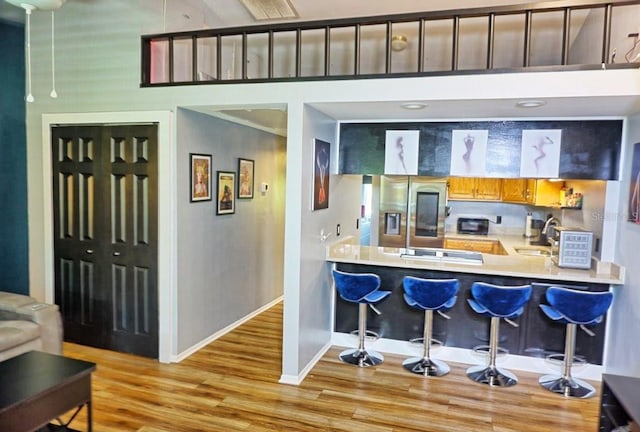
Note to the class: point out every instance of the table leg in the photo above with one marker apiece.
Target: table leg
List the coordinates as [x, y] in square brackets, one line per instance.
[89, 417]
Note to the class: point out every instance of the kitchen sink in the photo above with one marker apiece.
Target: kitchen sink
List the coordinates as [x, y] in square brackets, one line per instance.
[444, 256]
[534, 251]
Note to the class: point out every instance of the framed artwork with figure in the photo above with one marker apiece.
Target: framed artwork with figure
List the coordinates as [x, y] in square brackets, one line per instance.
[226, 193]
[634, 186]
[321, 164]
[200, 177]
[245, 178]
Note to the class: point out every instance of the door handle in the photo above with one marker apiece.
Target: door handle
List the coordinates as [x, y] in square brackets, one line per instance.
[89, 251]
[116, 254]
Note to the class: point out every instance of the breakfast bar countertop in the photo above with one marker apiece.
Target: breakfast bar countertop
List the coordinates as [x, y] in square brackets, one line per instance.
[512, 264]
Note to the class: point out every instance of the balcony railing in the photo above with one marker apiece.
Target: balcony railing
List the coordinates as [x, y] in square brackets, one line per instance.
[567, 35]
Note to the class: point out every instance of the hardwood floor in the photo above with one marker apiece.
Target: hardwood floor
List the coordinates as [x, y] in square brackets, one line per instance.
[232, 385]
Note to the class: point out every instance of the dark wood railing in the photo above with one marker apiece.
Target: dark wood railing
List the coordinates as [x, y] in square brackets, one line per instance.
[200, 57]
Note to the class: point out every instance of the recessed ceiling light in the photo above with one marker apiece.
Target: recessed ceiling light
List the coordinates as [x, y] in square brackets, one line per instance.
[530, 103]
[414, 105]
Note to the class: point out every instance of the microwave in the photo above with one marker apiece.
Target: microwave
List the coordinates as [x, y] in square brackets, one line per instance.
[477, 226]
[574, 247]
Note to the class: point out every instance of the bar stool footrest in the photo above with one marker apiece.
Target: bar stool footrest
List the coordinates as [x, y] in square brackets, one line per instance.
[558, 359]
[435, 343]
[369, 335]
[483, 350]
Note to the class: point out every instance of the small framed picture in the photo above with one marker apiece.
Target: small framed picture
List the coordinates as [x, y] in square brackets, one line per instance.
[245, 178]
[200, 177]
[226, 192]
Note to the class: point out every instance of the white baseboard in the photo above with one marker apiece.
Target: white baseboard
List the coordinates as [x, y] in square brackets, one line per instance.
[297, 379]
[467, 356]
[186, 353]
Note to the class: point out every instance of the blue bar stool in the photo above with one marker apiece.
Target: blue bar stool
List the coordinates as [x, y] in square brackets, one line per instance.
[429, 295]
[497, 302]
[573, 308]
[361, 288]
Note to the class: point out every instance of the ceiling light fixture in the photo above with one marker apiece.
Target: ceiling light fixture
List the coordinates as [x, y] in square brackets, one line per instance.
[29, 6]
[399, 42]
[530, 103]
[414, 105]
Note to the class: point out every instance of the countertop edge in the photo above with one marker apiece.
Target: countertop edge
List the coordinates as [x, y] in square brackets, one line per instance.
[348, 251]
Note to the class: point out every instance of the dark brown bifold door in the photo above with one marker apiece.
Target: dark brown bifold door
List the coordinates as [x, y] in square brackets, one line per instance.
[105, 235]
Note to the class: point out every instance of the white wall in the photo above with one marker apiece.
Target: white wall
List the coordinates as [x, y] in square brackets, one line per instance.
[623, 350]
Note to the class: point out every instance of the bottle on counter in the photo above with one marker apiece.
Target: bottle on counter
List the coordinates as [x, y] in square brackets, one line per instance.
[527, 225]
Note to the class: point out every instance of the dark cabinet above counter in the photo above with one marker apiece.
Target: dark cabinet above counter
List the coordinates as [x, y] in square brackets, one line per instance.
[588, 149]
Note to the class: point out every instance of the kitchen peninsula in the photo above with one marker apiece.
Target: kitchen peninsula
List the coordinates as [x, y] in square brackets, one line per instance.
[536, 336]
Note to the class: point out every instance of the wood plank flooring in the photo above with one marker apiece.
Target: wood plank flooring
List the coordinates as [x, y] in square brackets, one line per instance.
[232, 385]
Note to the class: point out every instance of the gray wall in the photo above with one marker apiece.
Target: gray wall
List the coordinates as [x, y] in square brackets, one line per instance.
[228, 265]
[623, 350]
[14, 266]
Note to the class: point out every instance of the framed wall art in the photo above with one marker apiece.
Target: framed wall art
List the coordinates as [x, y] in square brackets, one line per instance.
[540, 153]
[200, 184]
[245, 178]
[634, 186]
[321, 161]
[401, 152]
[469, 152]
[226, 192]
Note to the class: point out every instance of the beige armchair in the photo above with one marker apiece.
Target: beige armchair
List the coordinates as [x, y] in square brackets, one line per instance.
[27, 324]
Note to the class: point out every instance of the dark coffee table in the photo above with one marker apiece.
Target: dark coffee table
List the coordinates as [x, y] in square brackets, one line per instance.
[37, 387]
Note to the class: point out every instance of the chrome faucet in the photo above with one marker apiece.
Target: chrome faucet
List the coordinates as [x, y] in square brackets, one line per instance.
[552, 220]
[545, 229]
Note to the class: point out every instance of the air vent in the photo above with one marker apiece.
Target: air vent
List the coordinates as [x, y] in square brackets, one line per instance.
[269, 9]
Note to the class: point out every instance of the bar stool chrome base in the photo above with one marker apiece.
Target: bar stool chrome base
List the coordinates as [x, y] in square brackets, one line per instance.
[426, 367]
[492, 376]
[360, 357]
[568, 387]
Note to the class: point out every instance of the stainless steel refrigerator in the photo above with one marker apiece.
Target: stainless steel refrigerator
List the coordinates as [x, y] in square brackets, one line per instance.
[412, 211]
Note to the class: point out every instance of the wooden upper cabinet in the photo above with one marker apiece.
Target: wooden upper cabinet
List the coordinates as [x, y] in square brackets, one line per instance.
[462, 187]
[471, 188]
[519, 190]
[539, 192]
[488, 189]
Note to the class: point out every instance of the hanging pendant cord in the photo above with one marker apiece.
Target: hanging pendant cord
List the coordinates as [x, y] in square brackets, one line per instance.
[29, 95]
[53, 93]
[164, 16]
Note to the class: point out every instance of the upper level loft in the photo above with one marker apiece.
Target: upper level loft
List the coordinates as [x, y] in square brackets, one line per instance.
[550, 36]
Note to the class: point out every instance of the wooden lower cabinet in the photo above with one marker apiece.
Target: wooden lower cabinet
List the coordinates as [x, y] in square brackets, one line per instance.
[484, 246]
